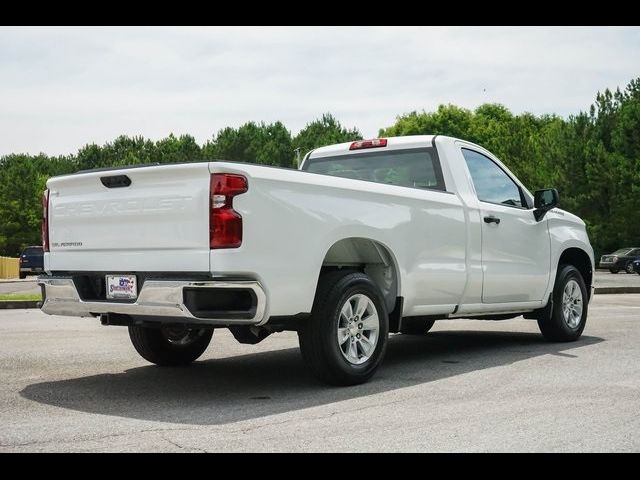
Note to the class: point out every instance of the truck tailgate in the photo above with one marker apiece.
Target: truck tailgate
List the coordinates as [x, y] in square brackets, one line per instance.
[159, 222]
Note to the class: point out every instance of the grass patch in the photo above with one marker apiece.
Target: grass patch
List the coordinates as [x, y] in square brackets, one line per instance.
[10, 297]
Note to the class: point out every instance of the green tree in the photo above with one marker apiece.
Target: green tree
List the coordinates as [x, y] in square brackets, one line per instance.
[21, 187]
[177, 150]
[265, 144]
[324, 131]
[447, 120]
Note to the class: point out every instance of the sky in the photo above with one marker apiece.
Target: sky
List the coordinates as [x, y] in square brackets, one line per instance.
[62, 88]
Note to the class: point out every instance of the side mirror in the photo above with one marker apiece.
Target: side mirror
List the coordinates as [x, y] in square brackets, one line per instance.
[543, 201]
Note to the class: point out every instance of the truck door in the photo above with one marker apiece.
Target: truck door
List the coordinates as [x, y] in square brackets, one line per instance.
[516, 249]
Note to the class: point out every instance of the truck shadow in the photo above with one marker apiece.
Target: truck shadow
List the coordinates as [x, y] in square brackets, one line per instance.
[233, 389]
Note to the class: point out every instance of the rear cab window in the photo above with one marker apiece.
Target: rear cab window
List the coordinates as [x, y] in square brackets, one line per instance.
[33, 251]
[414, 168]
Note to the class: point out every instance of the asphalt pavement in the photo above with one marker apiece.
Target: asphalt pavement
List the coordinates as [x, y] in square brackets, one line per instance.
[623, 279]
[69, 384]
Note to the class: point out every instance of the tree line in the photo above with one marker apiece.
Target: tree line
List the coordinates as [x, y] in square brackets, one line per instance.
[593, 158]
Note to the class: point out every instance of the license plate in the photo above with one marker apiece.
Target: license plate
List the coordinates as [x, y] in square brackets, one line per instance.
[122, 287]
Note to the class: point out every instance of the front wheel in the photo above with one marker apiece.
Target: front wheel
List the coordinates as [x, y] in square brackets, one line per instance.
[170, 345]
[570, 304]
[613, 270]
[345, 339]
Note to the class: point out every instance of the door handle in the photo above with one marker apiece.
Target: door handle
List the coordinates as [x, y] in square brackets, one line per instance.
[492, 219]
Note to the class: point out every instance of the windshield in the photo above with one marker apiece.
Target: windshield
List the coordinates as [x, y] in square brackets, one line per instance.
[622, 252]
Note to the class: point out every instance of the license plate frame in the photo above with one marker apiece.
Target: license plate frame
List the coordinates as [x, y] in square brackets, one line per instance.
[121, 287]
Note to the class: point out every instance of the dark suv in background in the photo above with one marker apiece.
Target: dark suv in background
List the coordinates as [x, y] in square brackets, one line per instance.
[621, 259]
[31, 261]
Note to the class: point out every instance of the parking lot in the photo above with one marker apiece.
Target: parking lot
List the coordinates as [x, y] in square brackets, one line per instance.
[72, 385]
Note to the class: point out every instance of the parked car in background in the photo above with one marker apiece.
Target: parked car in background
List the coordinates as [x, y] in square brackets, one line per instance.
[621, 259]
[31, 261]
[636, 266]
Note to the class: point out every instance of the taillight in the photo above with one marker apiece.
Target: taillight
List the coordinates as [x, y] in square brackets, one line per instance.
[225, 224]
[374, 143]
[45, 220]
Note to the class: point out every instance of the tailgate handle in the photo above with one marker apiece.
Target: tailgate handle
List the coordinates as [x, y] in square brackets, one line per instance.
[116, 181]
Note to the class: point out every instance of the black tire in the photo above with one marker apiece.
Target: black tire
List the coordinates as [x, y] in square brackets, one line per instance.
[416, 325]
[629, 268]
[160, 346]
[613, 270]
[318, 337]
[554, 327]
[23, 276]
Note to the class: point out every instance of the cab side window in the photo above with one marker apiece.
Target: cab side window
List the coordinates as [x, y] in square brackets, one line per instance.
[492, 184]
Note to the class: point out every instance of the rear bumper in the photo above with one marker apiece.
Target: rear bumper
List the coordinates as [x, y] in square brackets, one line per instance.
[164, 299]
[31, 269]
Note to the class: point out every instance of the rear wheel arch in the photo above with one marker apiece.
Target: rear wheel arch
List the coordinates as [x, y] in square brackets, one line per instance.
[368, 256]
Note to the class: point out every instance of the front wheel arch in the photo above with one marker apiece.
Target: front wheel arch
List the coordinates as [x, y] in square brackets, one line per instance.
[581, 260]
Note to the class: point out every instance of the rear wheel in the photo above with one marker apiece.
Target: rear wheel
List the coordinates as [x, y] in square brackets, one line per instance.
[170, 345]
[345, 339]
[570, 304]
[23, 276]
[629, 268]
[416, 325]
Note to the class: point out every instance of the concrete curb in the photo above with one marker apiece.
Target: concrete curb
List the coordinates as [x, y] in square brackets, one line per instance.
[610, 290]
[12, 304]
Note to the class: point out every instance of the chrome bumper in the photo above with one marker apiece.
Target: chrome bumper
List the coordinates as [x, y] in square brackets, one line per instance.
[157, 298]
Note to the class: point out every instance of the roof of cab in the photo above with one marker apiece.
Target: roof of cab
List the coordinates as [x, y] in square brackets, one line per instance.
[409, 141]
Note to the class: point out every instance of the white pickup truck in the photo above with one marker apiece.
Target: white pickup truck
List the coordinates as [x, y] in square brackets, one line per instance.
[366, 238]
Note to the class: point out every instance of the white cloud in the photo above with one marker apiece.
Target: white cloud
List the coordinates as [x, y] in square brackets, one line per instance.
[63, 87]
